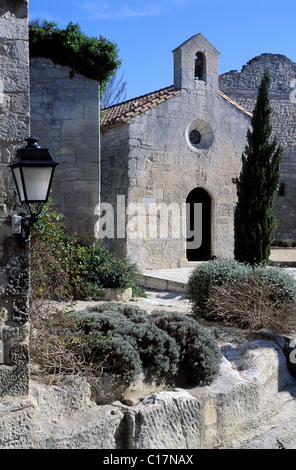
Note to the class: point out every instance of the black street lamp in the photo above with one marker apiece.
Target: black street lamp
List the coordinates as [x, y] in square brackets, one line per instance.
[32, 170]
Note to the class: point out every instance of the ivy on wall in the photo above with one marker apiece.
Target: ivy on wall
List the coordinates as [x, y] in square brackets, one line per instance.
[96, 59]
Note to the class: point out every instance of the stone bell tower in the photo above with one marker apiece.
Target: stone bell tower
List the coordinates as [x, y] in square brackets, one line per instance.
[196, 65]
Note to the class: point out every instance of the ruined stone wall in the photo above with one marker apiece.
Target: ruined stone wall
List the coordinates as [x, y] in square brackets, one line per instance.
[14, 265]
[65, 117]
[242, 87]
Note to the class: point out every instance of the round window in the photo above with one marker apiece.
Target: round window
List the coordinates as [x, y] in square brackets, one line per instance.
[194, 137]
[199, 135]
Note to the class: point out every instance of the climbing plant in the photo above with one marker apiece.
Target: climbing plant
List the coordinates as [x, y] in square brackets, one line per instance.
[93, 58]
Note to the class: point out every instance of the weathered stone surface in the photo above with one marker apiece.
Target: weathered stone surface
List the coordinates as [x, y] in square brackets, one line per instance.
[250, 405]
[120, 295]
[67, 418]
[58, 418]
[65, 117]
[165, 420]
[17, 423]
[14, 261]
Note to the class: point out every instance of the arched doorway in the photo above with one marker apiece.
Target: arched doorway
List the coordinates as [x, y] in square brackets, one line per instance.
[198, 225]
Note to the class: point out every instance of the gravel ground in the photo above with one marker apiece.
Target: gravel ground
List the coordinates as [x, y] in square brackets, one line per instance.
[156, 300]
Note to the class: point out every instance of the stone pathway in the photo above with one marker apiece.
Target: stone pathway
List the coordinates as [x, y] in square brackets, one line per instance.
[283, 254]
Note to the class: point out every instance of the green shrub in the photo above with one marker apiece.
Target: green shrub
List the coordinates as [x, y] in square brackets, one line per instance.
[170, 347]
[134, 339]
[242, 295]
[93, 58]
[103, 269]
[51, 254]
[63, 267]
[200, 356]
[116, 355]
[216, 272]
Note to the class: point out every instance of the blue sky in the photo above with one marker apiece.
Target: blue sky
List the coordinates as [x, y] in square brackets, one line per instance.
[147, 31]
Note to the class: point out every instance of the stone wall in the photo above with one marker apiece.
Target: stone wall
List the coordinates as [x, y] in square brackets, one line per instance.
[171, 168]
[65, 117]
[242, 87]
[114, 181]
[251, 399]
[14, 265]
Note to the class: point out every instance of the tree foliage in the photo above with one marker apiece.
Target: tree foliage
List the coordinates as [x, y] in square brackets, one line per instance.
[259, 179]
[93, 58]
[62, 267]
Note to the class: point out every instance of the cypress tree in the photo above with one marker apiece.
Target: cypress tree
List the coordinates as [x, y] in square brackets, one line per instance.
[257, 184]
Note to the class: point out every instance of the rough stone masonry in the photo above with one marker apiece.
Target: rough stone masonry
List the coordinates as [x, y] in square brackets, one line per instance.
[64, 114]
[242, 87]
[14, 265]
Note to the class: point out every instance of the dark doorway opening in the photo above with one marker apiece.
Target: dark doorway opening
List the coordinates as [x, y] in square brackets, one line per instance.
[198, 225]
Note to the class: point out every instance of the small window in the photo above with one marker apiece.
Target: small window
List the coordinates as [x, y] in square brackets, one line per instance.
[199, 66]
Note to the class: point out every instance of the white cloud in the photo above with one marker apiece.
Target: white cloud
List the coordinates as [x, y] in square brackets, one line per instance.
[130, 9]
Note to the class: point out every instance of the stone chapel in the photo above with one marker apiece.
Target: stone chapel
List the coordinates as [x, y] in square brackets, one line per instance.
[167, 163]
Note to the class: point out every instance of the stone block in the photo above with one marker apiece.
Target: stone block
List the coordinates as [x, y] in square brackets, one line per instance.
[61, 110]
[86, 156]
[13, 28]
[172, 418]
[91, 110]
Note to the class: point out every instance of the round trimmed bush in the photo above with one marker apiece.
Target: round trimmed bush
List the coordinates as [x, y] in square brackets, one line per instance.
[200, 356]
[216, 272]
[228, 290]
[157, 351]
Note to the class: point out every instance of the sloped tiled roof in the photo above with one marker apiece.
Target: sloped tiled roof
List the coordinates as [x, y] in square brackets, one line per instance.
[126, 110]
[122, 112]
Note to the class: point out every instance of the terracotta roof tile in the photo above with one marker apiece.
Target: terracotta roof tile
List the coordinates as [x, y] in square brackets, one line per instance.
[124, 111]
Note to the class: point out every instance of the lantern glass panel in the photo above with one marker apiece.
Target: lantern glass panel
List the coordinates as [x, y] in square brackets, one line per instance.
[37, 181]
[19, 183]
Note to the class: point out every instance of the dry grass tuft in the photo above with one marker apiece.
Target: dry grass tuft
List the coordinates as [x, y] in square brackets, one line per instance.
[251, 305]
[55, 349]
